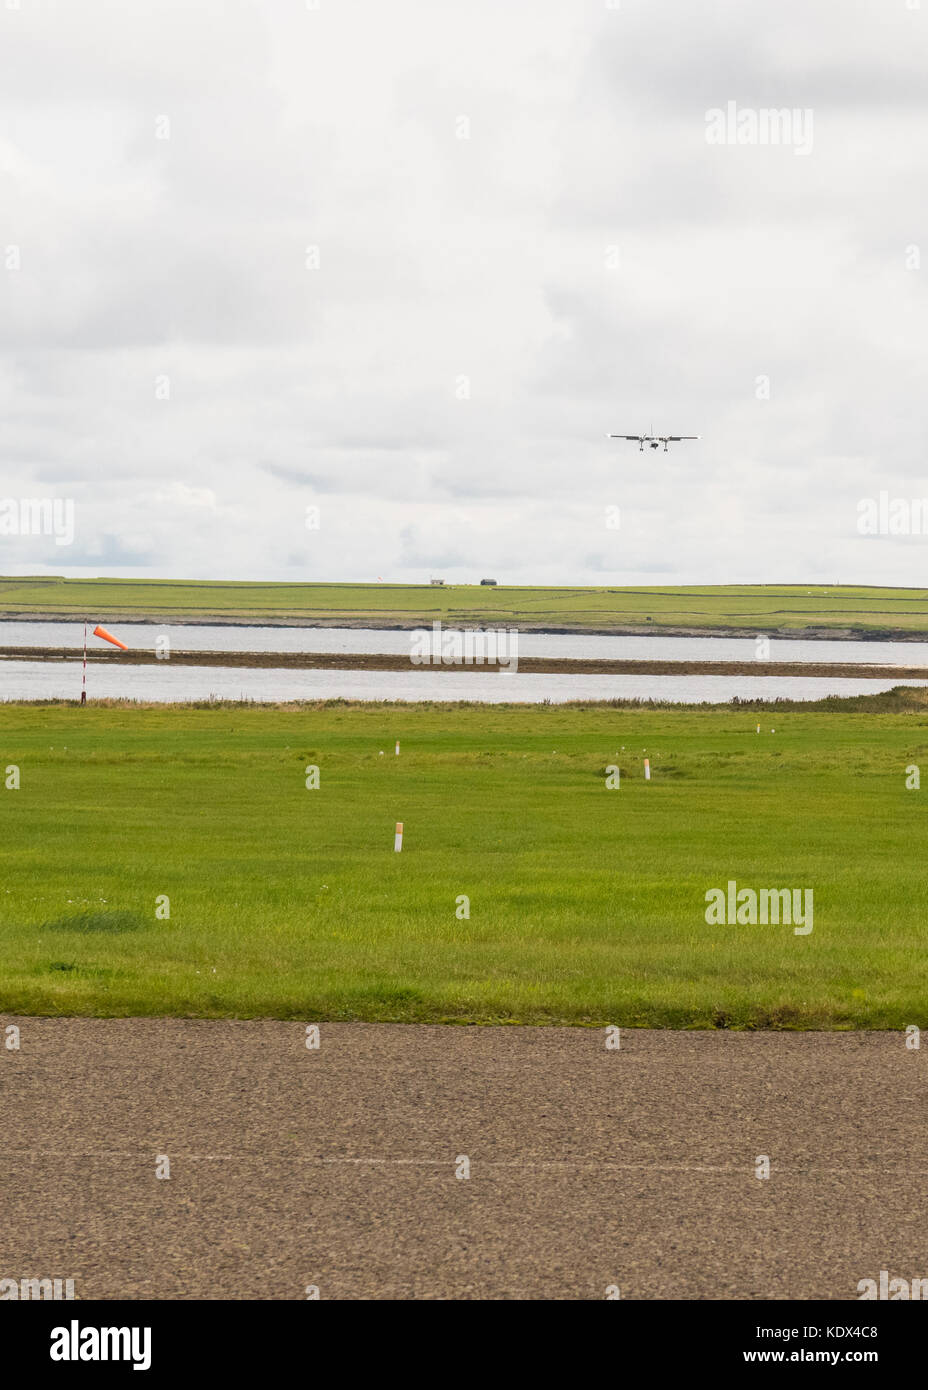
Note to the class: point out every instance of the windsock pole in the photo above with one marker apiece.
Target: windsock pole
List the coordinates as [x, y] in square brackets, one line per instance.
[99, 631]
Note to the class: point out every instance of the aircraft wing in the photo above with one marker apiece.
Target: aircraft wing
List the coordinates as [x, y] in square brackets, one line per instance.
[626, 436]
[676, 438]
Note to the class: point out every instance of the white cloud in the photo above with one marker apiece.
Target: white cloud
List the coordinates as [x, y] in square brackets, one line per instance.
[185, 259]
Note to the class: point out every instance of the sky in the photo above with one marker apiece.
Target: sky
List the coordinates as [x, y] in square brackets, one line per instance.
[354, 290]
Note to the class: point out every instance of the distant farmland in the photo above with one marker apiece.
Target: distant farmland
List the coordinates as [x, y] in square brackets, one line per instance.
[790, 609]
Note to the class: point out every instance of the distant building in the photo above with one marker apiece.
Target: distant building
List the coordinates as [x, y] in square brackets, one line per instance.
[488, 581]
[436, 583]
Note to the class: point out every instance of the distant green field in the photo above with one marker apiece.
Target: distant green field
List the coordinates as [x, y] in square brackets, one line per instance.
[587, 905]
[754, 608]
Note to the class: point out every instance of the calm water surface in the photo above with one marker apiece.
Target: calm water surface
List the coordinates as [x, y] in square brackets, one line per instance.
[204, 638]
[35, 680]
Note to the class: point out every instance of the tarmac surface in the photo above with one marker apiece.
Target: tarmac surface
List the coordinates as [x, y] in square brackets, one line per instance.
[342, 1168]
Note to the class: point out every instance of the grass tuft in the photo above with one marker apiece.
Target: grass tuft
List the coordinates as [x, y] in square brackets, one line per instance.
[114, 921]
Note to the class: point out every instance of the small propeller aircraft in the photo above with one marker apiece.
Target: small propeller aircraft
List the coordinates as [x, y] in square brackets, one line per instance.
[654, 440]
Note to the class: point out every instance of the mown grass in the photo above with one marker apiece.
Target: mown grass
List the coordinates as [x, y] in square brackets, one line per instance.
[586, 904]
[873, 612]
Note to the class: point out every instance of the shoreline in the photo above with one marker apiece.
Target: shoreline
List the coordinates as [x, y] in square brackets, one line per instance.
[531, 665]
[901, 700]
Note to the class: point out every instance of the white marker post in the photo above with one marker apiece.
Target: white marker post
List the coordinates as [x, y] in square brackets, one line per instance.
[397, 747]
[647, 770]
[398, 838]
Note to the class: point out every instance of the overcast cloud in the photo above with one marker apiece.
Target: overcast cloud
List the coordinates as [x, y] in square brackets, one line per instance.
[409, 263]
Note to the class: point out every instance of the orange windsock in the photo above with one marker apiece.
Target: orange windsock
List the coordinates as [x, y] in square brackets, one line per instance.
[108, 637]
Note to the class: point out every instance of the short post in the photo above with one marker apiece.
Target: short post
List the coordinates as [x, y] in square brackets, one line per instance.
[397, 747]
[647, 770]
[398, 837]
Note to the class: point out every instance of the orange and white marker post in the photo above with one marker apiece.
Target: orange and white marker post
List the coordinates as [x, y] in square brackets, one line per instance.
[99, 631]
[397, 747]
[398, 837]
[647, 770]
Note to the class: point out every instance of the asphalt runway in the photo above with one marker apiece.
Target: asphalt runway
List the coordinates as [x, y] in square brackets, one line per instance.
[336, 1168]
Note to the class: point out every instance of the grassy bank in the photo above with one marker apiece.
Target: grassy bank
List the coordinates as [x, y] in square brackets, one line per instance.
[790, 609]
[586, 904]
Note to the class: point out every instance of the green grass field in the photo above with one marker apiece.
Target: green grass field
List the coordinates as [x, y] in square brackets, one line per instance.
[586, 904]
[754, 608]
